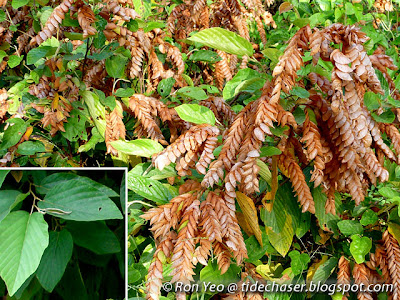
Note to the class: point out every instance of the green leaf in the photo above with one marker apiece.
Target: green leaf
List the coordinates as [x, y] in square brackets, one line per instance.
[45, 14]
[2, 15]
[31, 147]
[95, 236]
[211, 273]
[192, 92]
[301, 22]
[269, 151]
[115, 65]
[156, 174]
[139, 147]
[53, 180]
[3, 174]
[55, 259]
[285, 205]
[96, 110]
[13, 133]
[14, 60]
[196, 114]
[249, 211]
[24, 237]
[246, 80]
[209, 88]
[325, 270]
[300, 92]
[165, 86]
[124, 92]
[19, 3]
[188, 80]
[324, 219]
[385, 117]
[272, 54]
[360, 247]
[350, 227]
[254, 249]
[369, 217]
[205, 55]
[37, 53]
[224, 40]
[93, 141]
[388, 192]
[9, 199]
[72, 278]
[72, 200]
[349, 8]
[299, 261]
[149, 188]
[2, 52]
[371, 101]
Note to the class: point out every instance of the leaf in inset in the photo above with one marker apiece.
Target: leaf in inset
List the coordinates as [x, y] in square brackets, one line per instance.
[95, 236]
[24, 237]
[9, 199]
[52, 180]
[73, 200]
[3, 174]
[55, 259]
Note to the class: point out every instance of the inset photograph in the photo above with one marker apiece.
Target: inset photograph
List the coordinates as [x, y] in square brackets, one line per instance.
[62, 234]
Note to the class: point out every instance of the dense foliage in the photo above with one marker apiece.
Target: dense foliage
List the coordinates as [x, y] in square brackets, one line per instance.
[263, 136]
[62, 234]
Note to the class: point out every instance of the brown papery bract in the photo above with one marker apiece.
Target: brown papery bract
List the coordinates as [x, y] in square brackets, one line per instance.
[115, 128]
[343, 276]
[155, 275]
[393, 260]
[53, 22]
[362, 275]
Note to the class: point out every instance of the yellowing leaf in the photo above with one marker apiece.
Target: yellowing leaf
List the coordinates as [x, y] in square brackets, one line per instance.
[250, 214]
[54, 104]
[284, 7]
[324, 236]
[311, 271]
[282, 240]
[243, 224]
[28, 133]
[270, 271]
[394, 230]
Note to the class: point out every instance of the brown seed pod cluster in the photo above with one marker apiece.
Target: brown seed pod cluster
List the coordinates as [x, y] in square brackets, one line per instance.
[201, 228]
